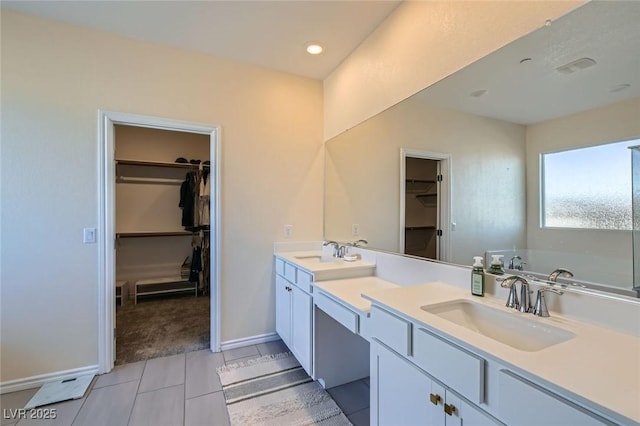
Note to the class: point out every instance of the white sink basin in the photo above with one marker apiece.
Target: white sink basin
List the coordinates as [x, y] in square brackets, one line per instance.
[510, 328]
[317, 259]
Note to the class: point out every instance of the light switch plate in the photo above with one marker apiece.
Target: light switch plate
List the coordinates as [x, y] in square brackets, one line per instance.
[89, 235]
[355, 229]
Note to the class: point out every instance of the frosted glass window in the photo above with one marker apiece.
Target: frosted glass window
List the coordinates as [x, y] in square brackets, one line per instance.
[588, 188]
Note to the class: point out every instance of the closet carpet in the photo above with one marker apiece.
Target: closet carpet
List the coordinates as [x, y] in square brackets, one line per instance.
[160, 327]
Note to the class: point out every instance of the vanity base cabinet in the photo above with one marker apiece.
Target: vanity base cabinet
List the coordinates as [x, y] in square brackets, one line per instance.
[301, 323]
[293, 320]
[283, 310]
[401, 393]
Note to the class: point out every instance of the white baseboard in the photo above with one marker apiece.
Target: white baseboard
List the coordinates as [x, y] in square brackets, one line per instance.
[37, 381]
[247, 341]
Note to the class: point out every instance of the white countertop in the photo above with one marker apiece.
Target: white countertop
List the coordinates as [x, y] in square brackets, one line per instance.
[331, 269]
[599, 366]
[349, 291]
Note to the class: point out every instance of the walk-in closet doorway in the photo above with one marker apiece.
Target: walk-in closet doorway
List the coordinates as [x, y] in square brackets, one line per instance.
[425, 204]
[108, 296]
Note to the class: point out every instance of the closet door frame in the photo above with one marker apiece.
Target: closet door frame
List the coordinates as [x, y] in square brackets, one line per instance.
[106, 223]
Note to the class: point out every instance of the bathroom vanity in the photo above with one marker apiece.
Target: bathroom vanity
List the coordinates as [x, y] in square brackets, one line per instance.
[437, 355]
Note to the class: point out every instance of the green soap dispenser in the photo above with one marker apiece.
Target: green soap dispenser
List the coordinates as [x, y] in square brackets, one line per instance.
[477, 277]
[496, 265]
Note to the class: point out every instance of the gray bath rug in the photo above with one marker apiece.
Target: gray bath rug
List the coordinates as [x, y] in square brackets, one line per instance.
[275, 390]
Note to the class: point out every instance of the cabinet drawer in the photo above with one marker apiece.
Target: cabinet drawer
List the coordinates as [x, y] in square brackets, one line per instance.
[338, 312]
[280, 267]
[459, 369]
[304, 281]
[391, 330]
[525, 403]
[290, 272]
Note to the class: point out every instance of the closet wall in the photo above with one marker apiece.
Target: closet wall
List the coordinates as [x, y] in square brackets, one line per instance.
[147, 201]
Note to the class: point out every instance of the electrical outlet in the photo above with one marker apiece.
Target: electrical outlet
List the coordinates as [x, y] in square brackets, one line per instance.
[355, 229]
[288, 231]
[89, 235]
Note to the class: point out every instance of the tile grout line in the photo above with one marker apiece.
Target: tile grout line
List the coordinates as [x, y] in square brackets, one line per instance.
[135, 398]
[184, 393]
[83, 402]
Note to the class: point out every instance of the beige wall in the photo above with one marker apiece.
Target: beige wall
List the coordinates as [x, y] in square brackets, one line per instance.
[420, 43]
[617, 122]
[55, 77]
[487, 172]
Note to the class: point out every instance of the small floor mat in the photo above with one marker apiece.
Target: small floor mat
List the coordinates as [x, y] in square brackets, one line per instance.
[61, 390]
[274, 390]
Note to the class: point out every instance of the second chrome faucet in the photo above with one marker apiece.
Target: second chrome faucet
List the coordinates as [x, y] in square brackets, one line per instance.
[524, 304]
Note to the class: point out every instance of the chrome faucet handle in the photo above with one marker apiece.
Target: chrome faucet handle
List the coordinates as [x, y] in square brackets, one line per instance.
[355, 243]
[559, 272]
[541, 304]
[510, 282]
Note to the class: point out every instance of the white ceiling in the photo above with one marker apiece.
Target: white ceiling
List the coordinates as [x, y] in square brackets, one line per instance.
[531, 92]
[272, 34]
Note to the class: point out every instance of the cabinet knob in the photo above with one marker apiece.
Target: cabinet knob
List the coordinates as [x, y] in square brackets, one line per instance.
[449, 409]
[434, 398]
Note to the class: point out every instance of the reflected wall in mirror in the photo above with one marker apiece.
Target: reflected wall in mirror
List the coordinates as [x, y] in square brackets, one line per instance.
[495, 118]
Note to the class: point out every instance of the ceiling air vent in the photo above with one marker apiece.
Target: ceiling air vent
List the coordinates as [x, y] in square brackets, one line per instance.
[577, 65]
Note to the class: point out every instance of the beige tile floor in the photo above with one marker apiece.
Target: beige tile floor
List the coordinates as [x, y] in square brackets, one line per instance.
[178, 390]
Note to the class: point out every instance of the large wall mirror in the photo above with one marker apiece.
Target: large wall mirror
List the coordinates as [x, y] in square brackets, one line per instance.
[573, 83]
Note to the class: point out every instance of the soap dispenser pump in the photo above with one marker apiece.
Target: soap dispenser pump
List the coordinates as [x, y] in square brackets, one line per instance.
[496, 267]
[477, 277]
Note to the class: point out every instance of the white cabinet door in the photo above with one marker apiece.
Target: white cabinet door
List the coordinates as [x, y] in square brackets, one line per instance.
[526, 403]
[437, 395]
[468, 414]
[301, 309]
[399, 391]
[283, 309]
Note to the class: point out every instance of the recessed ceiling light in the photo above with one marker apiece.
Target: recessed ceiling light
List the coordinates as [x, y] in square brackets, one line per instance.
[478, 93]
[314, 48]
[620, 87]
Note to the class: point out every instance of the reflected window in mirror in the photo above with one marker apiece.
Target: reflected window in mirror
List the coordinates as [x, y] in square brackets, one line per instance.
[587, 188]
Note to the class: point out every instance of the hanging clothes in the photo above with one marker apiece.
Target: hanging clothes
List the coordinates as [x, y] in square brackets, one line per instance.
[190, 201]
[196, 265]
[204, 200]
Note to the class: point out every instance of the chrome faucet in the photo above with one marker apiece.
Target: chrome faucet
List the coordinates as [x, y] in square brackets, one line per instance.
[336, 247]
[560, 272]
[518, 267]
[512, 300]
[541, 305]
[525, 298]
